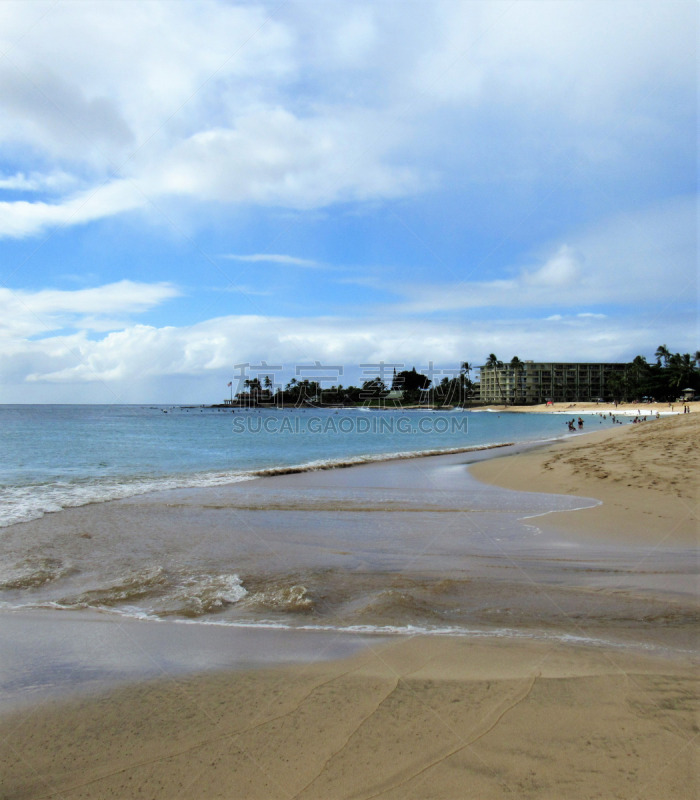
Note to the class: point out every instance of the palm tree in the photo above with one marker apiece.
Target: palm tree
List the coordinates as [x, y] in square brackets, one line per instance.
[464, 381]
[493, 363]
[517, 366]
[662, 352]
[268, 387]
[615, 385]
[638, 371]
[682, 369]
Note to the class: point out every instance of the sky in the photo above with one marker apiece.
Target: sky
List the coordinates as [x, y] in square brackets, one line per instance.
[323, 186]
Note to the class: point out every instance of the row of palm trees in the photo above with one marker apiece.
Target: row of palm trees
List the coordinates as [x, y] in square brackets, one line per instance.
[676, 361]
[664, 380]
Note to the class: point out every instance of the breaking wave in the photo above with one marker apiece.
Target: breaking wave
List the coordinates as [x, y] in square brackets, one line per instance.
[159, 593]
[25, 503]
[294, 598]
[33, 573]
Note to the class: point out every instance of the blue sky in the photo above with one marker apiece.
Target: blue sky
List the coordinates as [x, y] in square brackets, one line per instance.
[186, 186]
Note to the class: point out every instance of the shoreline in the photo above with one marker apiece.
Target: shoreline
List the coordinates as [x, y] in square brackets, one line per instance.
[645, 476]
[171, 483]
[626, 409]
[25, 503]
[537, 718]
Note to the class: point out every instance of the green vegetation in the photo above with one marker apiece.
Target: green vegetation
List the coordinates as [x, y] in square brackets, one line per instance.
[408, 388]
[661, 381]
[664, 380]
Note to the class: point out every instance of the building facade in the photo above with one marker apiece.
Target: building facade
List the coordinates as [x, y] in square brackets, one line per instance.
[540, 382]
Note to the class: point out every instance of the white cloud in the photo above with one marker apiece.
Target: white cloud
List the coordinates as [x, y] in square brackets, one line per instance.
[185, 102]
[303, 107]
[559, 272]
[86, 78]
[54, 181]
[582, 59]
[29, 313]
[273, 157]
[22, 218]
[137, 358]
[272, 258]
[57, 116]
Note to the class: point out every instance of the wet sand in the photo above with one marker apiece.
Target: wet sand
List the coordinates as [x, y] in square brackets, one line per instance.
[535, 715]
[647, 476]
[417, 719]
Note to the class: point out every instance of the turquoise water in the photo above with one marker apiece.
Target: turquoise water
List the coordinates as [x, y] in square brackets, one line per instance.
[69, 455]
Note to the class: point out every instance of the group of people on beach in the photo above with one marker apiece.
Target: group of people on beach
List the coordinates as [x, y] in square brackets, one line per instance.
[686, 409]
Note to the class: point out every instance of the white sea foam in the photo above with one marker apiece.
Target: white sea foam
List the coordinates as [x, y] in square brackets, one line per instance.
[616, 412]
[159, 594]
[25, 503]
[408, 630]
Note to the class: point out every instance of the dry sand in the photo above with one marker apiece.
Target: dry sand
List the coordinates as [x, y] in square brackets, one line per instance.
[424, 717]
[601, 408]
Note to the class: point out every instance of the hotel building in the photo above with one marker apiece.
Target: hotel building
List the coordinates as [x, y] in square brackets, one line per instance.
[539, 382]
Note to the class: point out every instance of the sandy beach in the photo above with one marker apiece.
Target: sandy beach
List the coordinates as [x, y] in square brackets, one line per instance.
[595, 697]
[643, 409]
[646, 476]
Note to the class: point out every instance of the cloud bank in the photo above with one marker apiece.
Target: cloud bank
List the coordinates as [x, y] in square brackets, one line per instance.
[252, 104]
[357, 181]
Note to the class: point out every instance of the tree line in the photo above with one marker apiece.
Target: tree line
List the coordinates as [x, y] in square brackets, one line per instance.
[408, 387]
[662, 380]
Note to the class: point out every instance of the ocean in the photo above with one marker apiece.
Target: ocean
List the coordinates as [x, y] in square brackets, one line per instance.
[245, 522]
[212, 514]
[62, 456]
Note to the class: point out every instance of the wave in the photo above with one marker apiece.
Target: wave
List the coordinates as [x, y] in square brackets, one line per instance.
[26, 503]
[33, 573]
[131, 587]
[204, 595]
[159, 594]
[381, 630]
[295, 598]
[354, 461]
